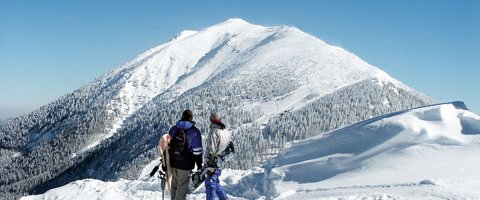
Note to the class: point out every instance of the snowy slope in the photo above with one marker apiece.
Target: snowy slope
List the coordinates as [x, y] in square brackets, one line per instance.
[243, 51]
[424, 153]
[126, 189]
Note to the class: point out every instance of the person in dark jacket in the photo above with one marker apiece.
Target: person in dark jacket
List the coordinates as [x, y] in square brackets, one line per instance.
[182, 167]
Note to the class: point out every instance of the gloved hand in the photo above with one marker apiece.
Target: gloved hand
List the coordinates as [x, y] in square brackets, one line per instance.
[211, 171]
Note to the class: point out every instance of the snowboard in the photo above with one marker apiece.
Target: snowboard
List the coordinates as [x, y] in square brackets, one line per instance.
[197, 179]
[163, 144]
[213, 163]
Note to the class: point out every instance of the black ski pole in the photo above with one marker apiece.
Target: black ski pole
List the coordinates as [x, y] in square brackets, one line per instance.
[163, 178]
[163, 189]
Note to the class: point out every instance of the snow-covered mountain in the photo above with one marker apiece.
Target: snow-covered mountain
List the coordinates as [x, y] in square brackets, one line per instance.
[270, 83]
[424, 153]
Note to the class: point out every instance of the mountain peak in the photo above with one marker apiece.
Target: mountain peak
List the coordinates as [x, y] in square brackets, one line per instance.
[233, 22]
[236, 21]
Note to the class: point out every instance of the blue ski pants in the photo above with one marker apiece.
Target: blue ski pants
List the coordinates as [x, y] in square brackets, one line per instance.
[213, 187]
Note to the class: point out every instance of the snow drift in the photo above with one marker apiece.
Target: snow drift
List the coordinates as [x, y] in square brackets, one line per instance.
[398, 153]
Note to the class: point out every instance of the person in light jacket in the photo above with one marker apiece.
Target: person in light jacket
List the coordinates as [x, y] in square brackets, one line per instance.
[218, 139]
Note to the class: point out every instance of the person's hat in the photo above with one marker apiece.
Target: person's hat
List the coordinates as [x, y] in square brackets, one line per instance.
[215, 118]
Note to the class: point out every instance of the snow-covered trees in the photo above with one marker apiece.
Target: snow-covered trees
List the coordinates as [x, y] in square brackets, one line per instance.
[351, 104]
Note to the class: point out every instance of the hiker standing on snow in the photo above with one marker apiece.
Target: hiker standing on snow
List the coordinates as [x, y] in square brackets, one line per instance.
[185, 151]
[218, 139]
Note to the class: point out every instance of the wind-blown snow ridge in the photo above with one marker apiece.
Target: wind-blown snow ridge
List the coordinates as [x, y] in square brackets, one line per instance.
[438, 142]
[445, 124]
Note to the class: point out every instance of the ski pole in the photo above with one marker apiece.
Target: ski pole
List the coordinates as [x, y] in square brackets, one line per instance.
[163, 178]
[163, 189]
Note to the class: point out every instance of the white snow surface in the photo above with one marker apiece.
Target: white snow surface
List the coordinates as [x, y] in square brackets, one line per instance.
[126, 189]
[251, 51]
[424, 153]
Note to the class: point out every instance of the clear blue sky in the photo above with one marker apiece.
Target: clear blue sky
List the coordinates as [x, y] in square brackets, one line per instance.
[50, 48]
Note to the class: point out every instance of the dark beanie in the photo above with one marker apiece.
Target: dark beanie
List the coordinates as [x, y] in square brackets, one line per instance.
[187, 115]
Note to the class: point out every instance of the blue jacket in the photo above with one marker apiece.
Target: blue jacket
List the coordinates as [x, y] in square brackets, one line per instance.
[195, 148]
